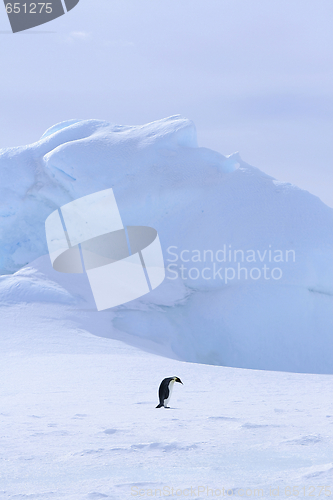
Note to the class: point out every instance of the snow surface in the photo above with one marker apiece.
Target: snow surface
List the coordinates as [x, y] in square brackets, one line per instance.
[197, 200]
[78, 418]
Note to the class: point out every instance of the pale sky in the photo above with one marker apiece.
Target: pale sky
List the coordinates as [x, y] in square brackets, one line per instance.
[255, 76]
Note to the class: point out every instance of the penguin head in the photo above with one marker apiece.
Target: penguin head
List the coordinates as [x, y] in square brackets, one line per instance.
[176, 379]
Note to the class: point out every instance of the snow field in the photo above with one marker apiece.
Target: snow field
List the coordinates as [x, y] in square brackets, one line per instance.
[78, 418]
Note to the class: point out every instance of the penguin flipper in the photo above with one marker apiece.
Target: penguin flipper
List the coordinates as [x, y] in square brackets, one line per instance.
[160, 405]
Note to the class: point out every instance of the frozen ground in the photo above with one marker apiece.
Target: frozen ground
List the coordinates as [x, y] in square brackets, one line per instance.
[78, 419]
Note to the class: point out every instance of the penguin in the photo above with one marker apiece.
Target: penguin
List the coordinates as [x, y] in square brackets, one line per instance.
[165, 390]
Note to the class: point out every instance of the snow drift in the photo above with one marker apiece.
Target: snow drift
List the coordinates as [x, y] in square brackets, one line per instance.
[248, 258]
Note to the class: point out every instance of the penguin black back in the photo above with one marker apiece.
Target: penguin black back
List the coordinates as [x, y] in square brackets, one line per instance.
[165, 390]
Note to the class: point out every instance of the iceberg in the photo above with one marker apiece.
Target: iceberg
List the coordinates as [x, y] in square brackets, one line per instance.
[248, 259]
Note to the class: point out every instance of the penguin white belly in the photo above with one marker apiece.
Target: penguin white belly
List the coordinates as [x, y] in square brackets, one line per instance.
[171, 384]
